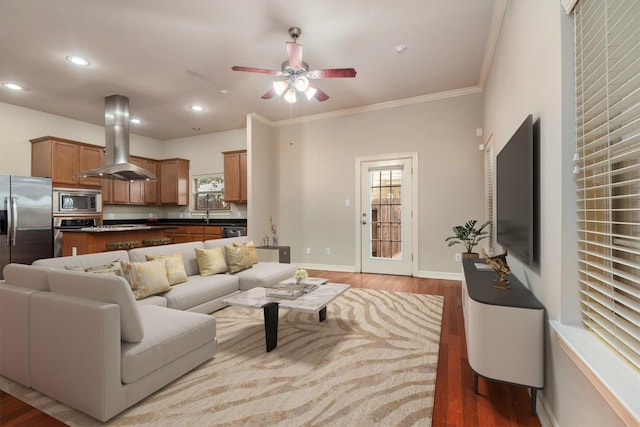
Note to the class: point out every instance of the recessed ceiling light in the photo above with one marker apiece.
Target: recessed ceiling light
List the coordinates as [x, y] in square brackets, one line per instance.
[224, 91]
[135, 121]
[12, 86]
[196, 107]
[78, 60]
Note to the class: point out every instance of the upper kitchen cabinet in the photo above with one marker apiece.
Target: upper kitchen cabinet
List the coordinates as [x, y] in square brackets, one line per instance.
[235, 176]
[151, 193]
[174, 182]
[61, 159]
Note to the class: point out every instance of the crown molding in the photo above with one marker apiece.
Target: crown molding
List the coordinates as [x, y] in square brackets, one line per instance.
[381, 106]
[497, 17]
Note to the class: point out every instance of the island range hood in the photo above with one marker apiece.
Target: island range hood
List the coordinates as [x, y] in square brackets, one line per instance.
[116, 125]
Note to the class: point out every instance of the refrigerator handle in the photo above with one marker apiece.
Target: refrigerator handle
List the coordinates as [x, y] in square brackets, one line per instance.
[14, 219]
[7, 200]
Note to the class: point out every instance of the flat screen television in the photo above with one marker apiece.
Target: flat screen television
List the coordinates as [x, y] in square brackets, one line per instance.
[515, 194]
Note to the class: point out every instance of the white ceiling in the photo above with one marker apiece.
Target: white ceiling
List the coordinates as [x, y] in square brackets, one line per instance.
[166, 55]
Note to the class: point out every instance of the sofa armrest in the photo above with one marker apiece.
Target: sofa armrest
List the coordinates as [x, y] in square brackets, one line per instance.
[76, 352]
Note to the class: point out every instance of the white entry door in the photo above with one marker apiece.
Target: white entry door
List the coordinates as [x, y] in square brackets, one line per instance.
[385, 219]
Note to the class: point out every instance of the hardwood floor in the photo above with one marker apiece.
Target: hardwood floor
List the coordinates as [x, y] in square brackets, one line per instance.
[496, 404]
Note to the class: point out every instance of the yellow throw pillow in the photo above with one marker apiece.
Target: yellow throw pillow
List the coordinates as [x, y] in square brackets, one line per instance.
[211, 261]
[238, 258]
[146, 278]
[174, 265]
[253, 254]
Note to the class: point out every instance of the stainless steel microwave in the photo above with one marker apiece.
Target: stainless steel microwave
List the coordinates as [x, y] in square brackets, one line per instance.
[67, 201]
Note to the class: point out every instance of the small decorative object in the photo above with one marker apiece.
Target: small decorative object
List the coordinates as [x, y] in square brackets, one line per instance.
[499, 264]
[469, 236]
[274, 232]
[300, 275]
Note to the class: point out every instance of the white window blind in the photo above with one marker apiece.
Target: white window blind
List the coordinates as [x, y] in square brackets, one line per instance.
[490, 174]
[607, 38]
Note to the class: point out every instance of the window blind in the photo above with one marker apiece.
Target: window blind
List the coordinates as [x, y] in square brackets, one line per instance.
[607, 41]
[490, 173]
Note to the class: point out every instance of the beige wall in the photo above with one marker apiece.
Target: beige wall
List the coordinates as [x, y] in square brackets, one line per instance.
[18, 125]
[318, 173]
[531, 74]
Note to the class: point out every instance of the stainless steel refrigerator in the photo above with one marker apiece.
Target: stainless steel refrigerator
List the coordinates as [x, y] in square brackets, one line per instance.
[26, 232]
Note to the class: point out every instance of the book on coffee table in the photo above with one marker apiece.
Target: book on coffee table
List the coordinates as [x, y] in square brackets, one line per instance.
[306, 281]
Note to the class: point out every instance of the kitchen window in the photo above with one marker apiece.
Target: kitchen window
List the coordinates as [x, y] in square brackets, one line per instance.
[210, 193]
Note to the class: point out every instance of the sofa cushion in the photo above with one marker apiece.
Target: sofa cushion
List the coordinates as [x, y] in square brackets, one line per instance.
[187, 249]
[174, 265]
[211, 261]
[199, 290]
[113, 268]
[27, 276]
[253, 254]
[105, 288]
[146, 278]
[265, 274]
[84, 261]
[238, 258]
[169, 335]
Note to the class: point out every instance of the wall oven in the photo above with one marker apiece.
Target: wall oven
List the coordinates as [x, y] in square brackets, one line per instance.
[74, 208]
[73, 202]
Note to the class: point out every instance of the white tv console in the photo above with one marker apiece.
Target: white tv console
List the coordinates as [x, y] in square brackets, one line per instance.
[504, 330]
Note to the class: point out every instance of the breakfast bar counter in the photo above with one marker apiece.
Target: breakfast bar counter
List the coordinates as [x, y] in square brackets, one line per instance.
[106, 238]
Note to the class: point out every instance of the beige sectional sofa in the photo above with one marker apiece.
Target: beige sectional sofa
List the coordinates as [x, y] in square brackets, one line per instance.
[81, 338]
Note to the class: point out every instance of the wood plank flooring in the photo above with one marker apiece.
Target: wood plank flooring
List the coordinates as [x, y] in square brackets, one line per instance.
[456, 404]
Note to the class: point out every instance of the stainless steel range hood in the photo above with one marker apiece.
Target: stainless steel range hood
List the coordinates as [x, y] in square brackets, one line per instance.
[116, 125]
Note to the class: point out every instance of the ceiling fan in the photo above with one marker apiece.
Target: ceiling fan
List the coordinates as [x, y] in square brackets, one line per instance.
[296, 75]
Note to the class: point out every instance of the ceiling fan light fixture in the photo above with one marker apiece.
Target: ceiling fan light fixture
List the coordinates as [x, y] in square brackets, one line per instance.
[290, 96]
[301, 83]
[310, 92]
[280, 86]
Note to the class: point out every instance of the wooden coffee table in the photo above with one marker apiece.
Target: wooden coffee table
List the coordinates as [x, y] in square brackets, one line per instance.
[314, 302]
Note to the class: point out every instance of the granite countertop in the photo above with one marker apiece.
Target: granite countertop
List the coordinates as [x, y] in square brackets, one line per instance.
[225, 222]
[118, 228]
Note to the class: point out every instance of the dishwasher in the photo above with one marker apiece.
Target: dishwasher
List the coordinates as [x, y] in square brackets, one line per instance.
[234, 231]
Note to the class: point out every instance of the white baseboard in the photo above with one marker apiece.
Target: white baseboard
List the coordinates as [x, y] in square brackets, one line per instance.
[328, 267]
[443, 275]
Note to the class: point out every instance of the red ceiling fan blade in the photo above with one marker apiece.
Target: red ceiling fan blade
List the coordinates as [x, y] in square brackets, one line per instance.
[332, 73]
[269, 94]
[294, 52]
[320, 95]
[256, 70]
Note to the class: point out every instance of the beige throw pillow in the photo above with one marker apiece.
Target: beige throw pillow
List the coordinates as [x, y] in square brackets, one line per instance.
[211, 261]
[114, 268]
[174, 265]
[146, 278]
[251, 247]
[238, 258]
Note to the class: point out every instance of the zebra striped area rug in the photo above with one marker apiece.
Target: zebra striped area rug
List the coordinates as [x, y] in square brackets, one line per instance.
[373, 361]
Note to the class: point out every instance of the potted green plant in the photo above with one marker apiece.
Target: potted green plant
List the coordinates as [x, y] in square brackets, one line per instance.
[469, 236]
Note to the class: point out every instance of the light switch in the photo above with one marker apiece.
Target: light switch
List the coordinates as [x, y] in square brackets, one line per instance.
[347, 202]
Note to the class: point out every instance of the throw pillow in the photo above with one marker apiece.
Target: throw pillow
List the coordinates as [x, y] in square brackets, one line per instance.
[238, 258]
[211, 261]
[253, 254]
[146, 278]
[114, 268]
[174, 266]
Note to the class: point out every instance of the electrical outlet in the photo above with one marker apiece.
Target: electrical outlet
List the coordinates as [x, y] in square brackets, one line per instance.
[458, 257]
[308, 251]
[327, 251]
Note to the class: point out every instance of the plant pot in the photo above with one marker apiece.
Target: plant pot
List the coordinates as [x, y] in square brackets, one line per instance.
[466, 255]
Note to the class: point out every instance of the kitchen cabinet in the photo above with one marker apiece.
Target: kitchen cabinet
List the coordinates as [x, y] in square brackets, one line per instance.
[136, 188]
[61, 159]
[151, 187]
[174, 182]
[194, 233]
[235, 176]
